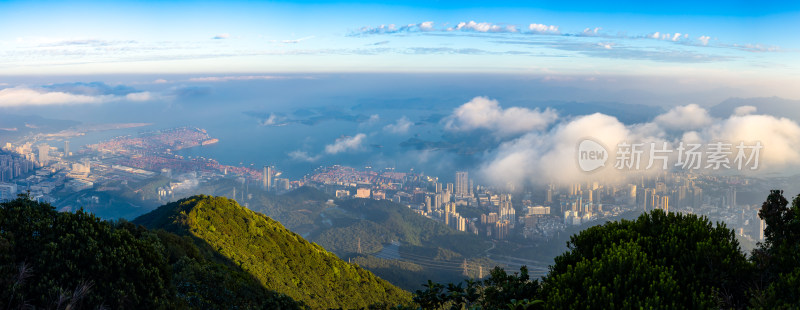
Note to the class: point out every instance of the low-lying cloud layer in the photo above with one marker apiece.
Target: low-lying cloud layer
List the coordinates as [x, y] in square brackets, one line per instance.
[541, 147]
[71, 93]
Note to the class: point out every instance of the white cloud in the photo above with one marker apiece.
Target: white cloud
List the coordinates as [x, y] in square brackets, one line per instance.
[221, 36]
[392, 28]
[485, 113]
[550, 156]
[688, 117]
[704, 39]
[543, 29]
[483, 27]
[374, 118]
[744, 110]
[606, 45]
[272, 120]
[674, 37]
[24, 96]
[588, 32]
[426, 26]
[141, 96]
[160, 81]
[779, 136]
[303, 156]
[346, 144]
[401, 126]
[21, 96]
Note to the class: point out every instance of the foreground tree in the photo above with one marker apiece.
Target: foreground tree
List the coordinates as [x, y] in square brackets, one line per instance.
[661, 260]
[75, 260]
[499, 291]
[778, 257]
[63, 260]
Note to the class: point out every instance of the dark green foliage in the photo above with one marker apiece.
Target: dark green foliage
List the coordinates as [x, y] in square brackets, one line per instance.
[499, 291]
[279, 259]
[501, 288]
[665, 247]
[622, 277]
[206, 285]
[53, 259]
[778, 257]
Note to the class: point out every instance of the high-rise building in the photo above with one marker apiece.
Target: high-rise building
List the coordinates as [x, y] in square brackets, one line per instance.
[44, 154]
[428, 203]
[732, 197]
[501, 230]
[649, 199]
[461, 224]
[506, 211]
[66, 148]
[267, 178]
[665, 203]
[462, 184]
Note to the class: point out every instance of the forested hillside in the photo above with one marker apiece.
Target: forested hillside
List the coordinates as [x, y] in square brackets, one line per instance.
[281, 260]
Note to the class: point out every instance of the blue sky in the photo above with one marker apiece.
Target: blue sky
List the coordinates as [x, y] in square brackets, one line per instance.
[752, 41]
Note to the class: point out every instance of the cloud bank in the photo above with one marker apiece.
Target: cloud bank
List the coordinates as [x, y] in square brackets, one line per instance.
[72, 93]
[545, 147]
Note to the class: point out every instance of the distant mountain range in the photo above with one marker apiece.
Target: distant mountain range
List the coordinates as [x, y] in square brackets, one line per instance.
[774, 106]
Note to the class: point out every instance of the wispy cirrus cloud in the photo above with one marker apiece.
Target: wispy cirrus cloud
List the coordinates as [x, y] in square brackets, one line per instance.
[295, 41]
[468, 26]
[483, 27]
[242, 78]
[613, 50]
[489, 28]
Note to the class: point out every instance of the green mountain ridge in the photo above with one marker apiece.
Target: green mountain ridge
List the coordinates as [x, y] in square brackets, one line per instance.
[281, 260]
